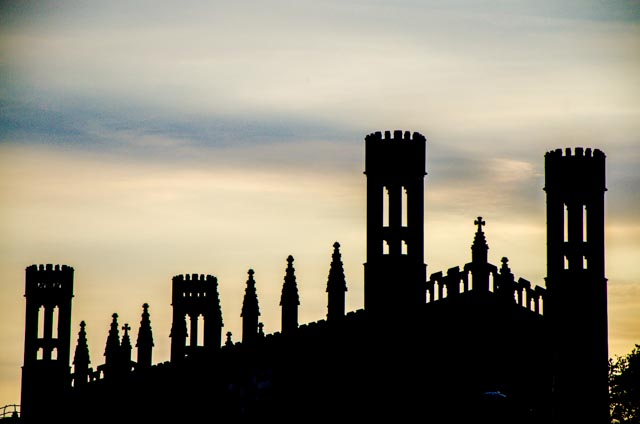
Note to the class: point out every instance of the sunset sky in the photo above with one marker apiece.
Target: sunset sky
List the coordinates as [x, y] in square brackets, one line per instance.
[141, 140]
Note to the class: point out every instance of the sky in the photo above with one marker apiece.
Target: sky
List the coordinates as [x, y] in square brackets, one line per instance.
[141, 140]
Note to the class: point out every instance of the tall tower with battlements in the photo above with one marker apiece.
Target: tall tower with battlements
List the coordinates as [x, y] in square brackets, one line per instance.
[395, 272]
[576, 305]
[47, 339]
[195, 296]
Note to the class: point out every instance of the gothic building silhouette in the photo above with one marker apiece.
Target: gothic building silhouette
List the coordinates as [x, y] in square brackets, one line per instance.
[472, 343]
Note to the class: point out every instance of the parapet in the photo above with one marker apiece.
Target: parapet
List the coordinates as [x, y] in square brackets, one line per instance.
[49, 277]
[199, 288]
[578, 152]
[398, 136]
[575, 170]
[49, 268]
[194, 278]
[400, 153]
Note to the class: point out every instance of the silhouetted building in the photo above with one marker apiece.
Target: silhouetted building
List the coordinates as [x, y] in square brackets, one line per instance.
[472, 344]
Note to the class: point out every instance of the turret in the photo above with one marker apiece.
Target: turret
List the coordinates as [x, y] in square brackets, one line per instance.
[81, 358]
[144, 343]
[395, 272]
[125, 349]
[47, 339]
[112, 356]
[195, 296]
[576, 297]
[336, 286]
[289, 300]
[506, 287]
[479, 265]
[250, 312]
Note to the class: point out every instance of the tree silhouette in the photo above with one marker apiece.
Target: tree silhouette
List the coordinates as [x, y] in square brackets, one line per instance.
[624, 387]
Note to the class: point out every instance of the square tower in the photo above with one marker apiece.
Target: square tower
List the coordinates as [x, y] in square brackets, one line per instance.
[395, 272]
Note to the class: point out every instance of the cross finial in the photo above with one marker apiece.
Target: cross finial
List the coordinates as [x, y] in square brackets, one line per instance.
[126, 328]
[479, 222]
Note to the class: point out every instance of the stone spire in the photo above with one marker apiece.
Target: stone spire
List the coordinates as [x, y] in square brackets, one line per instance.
[479, 266]
[289, 299]
[125, 348]
[81, 358]
[144, 343]
[336, 286]
[506, 281]
[112, 349]
[250, 311]
[479, 248]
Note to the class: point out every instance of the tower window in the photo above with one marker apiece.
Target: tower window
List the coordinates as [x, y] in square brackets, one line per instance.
[200, 341]
[405, 209]
[584, 223]
[584, 262]
[566, 223]
[54, 322]
[385, 206]
[40, 334]
[385, 247]
[566, 262]
[405, 248]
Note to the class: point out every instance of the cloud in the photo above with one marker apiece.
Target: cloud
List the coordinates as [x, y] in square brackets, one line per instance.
[139, 140]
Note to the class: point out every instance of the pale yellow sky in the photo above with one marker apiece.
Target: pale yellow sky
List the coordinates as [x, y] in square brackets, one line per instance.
[137, 144]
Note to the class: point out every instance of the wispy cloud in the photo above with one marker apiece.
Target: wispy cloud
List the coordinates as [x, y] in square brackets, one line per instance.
[144, 139]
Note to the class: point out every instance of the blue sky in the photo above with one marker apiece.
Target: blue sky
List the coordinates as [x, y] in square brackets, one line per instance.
[140, 140]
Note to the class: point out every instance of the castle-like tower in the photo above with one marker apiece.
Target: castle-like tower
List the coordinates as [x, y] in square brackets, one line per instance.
[195, 296]
[47, 338]
[576, 304]
[395, 272]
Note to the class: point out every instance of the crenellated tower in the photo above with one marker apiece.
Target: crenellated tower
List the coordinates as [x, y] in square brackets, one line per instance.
[47, 339]
[576, 305]
[195, 296]
[395, 272]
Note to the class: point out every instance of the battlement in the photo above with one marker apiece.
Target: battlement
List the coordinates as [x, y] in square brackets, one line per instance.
[398, 136]
[49, 268]
[575, 170]
[199, 288]
[578, 152]
[457, 282]
[194, 278]
[394, 154]
[49, 277]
